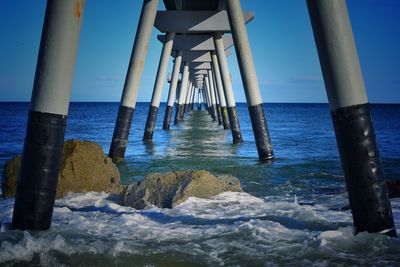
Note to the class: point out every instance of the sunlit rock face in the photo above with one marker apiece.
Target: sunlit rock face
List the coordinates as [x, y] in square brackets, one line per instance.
[84, 168]
[167, 190]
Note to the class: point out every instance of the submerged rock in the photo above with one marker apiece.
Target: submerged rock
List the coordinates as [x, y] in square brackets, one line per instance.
[83, 168]
[167, 190]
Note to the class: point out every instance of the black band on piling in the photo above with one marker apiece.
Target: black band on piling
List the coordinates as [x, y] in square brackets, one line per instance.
[40, 166]
[177, 114]
[363, 171]
[121, 133]
[150, 124]
[225, 118]
[198, 106]
[182, 112]
[235, 127]
[214, 112]
[167, 117]
[261, 133]
[219, 115]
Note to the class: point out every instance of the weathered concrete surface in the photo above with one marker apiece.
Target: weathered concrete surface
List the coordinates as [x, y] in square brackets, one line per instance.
[167, 190]
[83, 168]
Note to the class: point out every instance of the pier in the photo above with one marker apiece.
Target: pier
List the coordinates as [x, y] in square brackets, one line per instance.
[198, 36]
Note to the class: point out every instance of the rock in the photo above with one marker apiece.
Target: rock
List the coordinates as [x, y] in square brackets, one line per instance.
[83, 168]
[393, 188]
[167, 190]
[10, 175]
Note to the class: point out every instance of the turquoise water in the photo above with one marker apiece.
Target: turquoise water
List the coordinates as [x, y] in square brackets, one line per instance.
[291, 213]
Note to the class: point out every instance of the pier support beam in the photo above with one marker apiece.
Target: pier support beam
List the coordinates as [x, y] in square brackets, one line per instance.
[227, 84]
[44, 139]
[351, 117]
[210, 103]
[210, 85]
[220, 88]
[249, 79]
[205, 100]
[193, 97]
[132, 82]
[199, 100]
[182, 93]
[172, 90]
[158, 87]
[187, 99]
[217, 99]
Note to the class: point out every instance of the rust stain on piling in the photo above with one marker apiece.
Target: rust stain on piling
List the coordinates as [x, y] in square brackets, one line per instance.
[78, 9]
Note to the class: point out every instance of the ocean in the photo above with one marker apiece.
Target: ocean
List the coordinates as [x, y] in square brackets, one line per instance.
[291, 213]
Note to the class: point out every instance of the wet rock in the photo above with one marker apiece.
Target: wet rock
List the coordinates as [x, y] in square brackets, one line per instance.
[10, 175]
[393, 188]
[167, 190]
[83, 168]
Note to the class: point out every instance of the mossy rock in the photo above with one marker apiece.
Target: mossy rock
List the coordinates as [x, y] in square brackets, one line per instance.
[167, 190]
[84, 168]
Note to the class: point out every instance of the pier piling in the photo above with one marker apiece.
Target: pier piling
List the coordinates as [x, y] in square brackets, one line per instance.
[172, 90]
[218, 81]
[249, 79]
[182, 93]
[227, 85]
[123, 123]
[210, 85]
[351, 117]
[47, 119]
[199, 100]
[158, 87]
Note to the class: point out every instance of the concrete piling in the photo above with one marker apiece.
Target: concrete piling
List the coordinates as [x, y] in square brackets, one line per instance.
[187, 99]
[132, 82]
[199, 100]
[220, 89]
[207, 97]
[227, 85]
[158, 87]
[366, 185]
[172, 90]
[249, 79]
[44, 139]
[193, 97]
[212, 109]
[205, 100]
[217, 99]
[210, 85]
[182, 93]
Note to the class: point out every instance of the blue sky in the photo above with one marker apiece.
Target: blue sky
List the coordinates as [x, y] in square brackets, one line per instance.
[281, 40]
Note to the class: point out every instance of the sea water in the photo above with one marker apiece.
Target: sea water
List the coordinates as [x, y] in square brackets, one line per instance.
[293, 211]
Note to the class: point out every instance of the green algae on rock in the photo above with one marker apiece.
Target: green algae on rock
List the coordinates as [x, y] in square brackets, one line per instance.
[84, 168]
[167, 190]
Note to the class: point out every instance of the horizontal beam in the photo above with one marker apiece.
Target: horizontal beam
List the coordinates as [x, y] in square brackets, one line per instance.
[199, 71]
[203, 42]
[200, 65]
[195, 21]
[198, 56]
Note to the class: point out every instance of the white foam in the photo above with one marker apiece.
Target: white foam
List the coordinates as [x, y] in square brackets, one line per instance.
[325, 236]
[230, 223]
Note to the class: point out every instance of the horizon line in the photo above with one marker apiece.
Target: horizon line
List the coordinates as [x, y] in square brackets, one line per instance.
[380, 103]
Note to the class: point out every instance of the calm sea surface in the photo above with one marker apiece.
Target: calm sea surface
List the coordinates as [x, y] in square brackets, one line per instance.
[290, 214]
